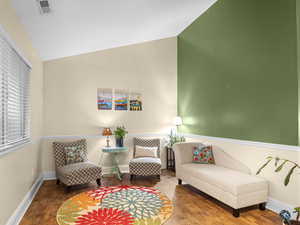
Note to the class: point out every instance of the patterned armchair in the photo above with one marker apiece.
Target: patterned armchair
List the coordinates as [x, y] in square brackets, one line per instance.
[76, 173]
[145, 166]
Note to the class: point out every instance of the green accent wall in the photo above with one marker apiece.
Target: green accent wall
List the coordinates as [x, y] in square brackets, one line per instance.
[237, 72]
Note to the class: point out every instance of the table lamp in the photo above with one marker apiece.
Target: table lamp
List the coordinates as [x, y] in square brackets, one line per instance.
[107, 132]
[177, 121]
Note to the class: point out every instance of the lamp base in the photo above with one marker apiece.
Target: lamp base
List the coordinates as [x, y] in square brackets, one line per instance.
[107, 142]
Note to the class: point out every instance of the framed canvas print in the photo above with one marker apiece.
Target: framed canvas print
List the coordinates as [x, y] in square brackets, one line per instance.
[135, 102]
[121, 100]
[105, 96]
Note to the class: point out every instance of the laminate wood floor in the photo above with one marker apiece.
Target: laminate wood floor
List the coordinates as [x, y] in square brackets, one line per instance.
[191, 207]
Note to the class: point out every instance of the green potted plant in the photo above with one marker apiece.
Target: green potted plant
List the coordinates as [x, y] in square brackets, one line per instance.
[120, 133]
[174, 138]
[279, 165]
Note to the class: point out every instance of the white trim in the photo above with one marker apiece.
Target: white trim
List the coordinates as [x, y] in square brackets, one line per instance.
[13, 45]
[25, 203]
[50, 175]
[100, 136]
[244, 142]
[71, 137]
[276, 206]
[230, 140]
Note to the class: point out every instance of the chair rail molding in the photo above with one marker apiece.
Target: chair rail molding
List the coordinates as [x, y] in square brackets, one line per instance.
[245, 142]
[188, 135]
[100, 136]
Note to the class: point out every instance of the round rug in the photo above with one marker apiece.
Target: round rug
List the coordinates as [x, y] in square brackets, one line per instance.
[116, 205]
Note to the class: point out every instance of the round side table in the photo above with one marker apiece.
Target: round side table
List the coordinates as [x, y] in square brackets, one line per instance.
[114, 152]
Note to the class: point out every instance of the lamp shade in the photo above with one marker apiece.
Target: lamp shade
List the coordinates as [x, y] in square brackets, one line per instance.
[177, 121]
[106, 132]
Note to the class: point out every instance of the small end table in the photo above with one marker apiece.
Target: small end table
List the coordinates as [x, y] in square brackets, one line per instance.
[115, 165]
[170, 159]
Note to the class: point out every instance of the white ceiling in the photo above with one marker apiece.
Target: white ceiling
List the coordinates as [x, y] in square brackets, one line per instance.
[80, 26]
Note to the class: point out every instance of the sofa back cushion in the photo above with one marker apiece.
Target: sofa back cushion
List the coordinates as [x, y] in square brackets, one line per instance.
[203, 154]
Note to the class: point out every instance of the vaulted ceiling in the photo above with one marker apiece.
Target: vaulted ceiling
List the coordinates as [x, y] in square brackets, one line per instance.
[80, 26]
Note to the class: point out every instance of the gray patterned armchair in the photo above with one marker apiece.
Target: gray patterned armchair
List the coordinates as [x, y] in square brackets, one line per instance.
[145, 166]
[75, 173]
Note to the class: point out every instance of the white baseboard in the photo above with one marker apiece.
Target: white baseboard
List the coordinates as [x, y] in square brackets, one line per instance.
[273, 204]
[18, 214]
[50, 175]
[276, 206]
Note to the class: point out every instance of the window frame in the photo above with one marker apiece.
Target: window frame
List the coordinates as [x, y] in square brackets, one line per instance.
[26, 141]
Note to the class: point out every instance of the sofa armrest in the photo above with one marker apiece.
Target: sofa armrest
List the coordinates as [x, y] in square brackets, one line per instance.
[184, 153]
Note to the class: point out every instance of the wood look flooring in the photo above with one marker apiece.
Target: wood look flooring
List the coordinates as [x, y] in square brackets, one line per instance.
[191, 207]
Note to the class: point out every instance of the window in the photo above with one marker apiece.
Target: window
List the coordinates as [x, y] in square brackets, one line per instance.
[14, 97]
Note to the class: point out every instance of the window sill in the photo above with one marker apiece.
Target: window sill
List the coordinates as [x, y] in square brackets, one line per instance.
[15, 147]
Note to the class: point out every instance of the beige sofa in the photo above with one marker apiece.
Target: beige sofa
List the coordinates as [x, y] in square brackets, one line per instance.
[229, 181]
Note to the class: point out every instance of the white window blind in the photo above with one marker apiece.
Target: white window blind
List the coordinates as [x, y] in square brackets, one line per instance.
[14, 97]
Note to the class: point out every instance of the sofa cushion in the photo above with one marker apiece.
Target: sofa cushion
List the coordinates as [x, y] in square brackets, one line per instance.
[203, 155]
[226, 179]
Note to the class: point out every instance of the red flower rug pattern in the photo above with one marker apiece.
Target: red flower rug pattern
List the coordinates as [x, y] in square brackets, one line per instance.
[116, 205]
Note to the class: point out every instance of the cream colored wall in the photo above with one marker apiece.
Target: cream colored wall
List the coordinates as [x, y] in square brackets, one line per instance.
[71, 92]
[19, 169]
[254, 157]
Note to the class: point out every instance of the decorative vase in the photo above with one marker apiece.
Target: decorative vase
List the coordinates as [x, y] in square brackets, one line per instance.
[119, 141]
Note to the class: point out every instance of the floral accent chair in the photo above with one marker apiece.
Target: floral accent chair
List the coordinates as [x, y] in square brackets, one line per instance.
[145, 166]
[73, 168]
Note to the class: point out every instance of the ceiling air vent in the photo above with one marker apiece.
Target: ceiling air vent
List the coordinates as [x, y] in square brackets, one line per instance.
[44, 6]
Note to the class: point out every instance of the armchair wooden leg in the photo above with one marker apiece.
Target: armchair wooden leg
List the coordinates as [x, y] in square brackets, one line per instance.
[236, 213]
[57, 182]
[131, 177]
[158, 176]
[262, 206]
[179, 181]
[98, 181]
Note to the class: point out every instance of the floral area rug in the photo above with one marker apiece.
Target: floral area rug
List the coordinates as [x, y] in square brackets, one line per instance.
[116, 205]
